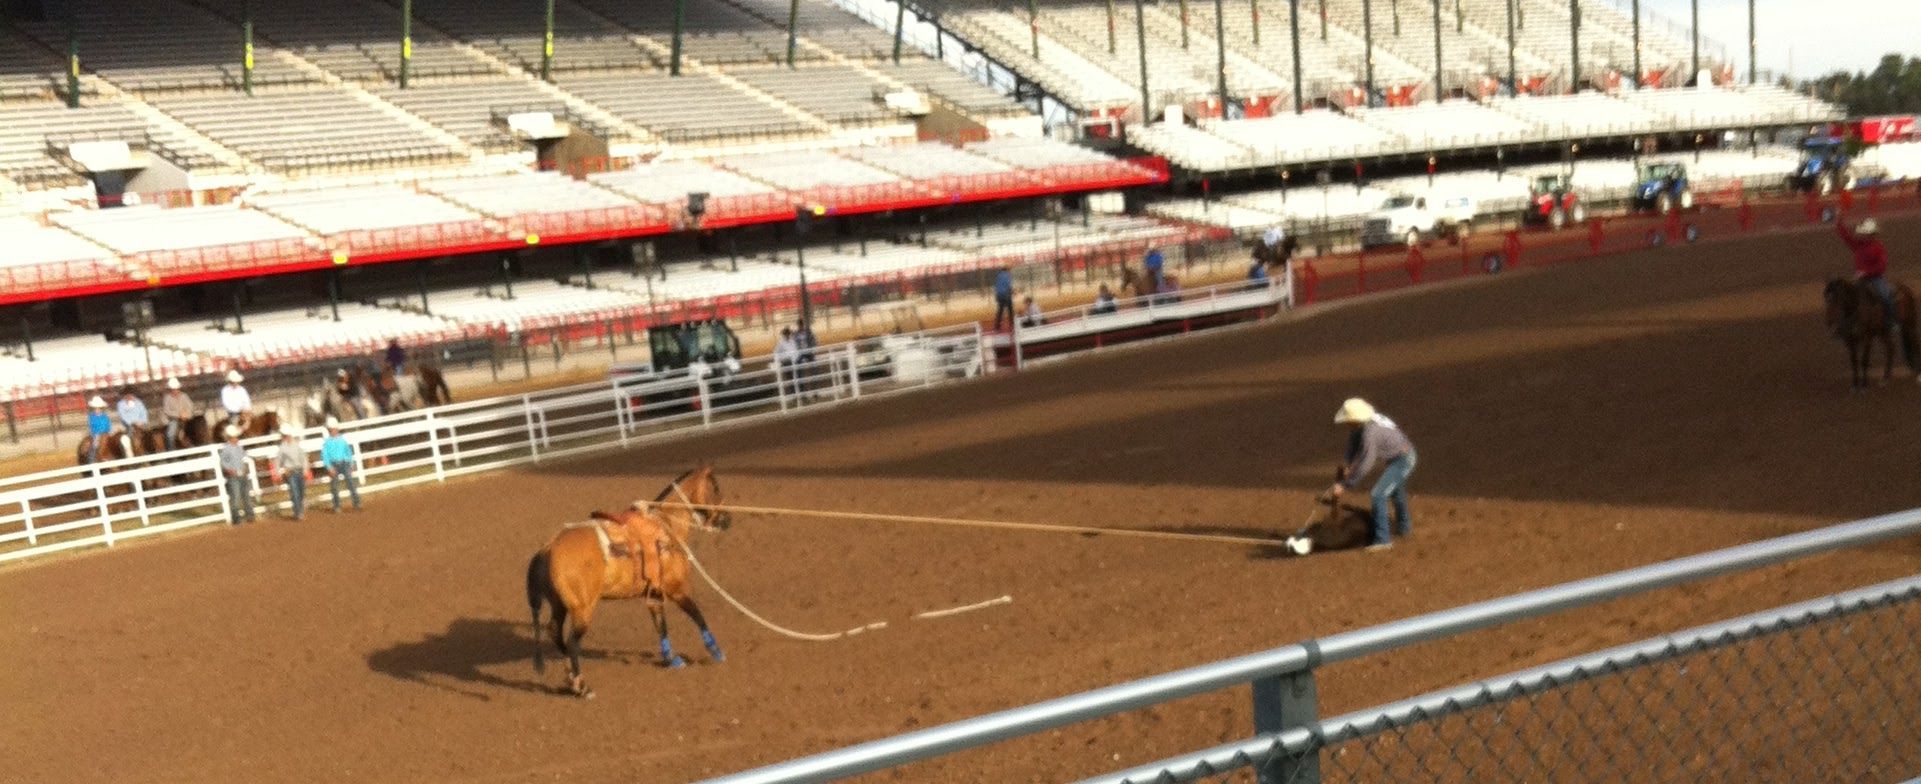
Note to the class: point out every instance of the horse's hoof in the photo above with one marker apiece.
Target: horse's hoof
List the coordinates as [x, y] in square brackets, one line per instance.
[676, 663]
[585, 694]
[717, 656]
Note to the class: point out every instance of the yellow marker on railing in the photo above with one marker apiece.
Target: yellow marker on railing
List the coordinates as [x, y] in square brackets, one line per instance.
[533, 239]
[340, 258]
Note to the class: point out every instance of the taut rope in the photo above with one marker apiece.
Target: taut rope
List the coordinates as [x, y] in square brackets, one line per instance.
[989, 524]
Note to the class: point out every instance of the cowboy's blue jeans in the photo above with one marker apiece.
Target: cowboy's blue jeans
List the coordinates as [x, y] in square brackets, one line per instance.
[1391, 488]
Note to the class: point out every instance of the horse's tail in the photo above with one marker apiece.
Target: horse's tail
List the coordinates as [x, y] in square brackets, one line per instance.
[539, 585]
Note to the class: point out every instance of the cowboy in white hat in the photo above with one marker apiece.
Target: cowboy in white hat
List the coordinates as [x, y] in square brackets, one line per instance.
[100, 425]
[235, 400]
[1375, 439]
[175, 410]
[1871, 265]
[337, 456]
[290, 465]
[234, 468]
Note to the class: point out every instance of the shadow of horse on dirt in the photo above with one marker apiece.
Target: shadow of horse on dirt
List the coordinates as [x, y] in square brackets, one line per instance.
[461, 657]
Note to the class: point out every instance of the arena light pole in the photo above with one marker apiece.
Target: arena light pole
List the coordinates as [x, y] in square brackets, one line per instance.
[1183, 25]
[1694, 34]
[547, 46]
[1294, 31]
[1513, 74]
[804, 216]
[1254, 20]
[1574, 44]
[680, 26]
[1220, 51]
[1323, 20]
[793, 20]
[246, 47]
[406, 39]
[1637, 44]
[1140, 46]
[1440, 85]
[900, 27]
[73, 57]
[1367, 45]
[1033, 27]
[1113, 43]
[1754, 64]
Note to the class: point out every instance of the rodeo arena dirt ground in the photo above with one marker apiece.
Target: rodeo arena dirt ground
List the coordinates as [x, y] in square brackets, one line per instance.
[1571, 421]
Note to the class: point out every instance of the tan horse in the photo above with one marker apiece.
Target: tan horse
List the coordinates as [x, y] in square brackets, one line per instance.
[640, 551]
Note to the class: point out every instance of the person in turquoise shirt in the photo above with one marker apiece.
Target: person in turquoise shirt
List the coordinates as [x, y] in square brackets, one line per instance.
[99, 426]
[338, 457]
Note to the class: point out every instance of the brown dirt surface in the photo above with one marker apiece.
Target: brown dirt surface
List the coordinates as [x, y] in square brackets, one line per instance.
[1571, 421]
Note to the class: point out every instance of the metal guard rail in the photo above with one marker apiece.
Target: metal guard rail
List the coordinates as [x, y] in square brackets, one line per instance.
[1267, 669]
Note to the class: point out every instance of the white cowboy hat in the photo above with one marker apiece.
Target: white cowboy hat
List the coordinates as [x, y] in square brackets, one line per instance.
[1868, 226]
[173, 383]
[232, 431]
[1272, 237]
[233, 376]
[341, 373]
[333, 424]
[97, 402]
[290, 431]
[1353, 411]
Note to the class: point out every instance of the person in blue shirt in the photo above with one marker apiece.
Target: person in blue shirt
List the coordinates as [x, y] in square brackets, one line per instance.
[133, 412]
[338, 457]
[1153, 263]
[99, 426]
[1257, 272]
[1004, 297]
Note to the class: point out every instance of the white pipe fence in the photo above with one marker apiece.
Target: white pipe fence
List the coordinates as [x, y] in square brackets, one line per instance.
[105, 503]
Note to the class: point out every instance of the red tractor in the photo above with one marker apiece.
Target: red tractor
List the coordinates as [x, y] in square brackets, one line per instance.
[1552, 201]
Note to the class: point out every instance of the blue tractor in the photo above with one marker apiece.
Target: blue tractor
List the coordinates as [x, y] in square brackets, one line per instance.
[1824, 167]
[1663, 187]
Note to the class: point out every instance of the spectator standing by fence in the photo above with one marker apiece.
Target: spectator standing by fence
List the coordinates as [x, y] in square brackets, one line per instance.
[99, 427]
[1375, 439]
[805, 343]
[338, 457]
[786, 362]
[1031, 313]
[1003, 297]
[175, 409]
[234, 468]
[290, 466]
[1154, 264]
[1104, 302]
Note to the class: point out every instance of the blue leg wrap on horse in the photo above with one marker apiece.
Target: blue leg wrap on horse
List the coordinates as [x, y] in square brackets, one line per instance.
[668, 657]
[713, 645]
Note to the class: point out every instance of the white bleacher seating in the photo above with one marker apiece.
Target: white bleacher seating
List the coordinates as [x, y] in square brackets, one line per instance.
[89, 364]
[716, 32]
[1192, 147]
[303, 334]
[307, 130]
[162, 45]
[1316, 134]
[1582, 115]
[927, 160]
[358, 214]
[693, 107]
[803, 170]
[1450, 124]
[943, 83]
[466, 109]
[1029, 153]
[47, 257]
[511, 195]
[189, 240]
[839, 94]
[535, 304]
[515, 33]
[669, 182]
[715, 279]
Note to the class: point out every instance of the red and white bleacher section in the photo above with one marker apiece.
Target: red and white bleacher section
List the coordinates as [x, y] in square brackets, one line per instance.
[279, 231]
[1596, 179]
[1321, 135]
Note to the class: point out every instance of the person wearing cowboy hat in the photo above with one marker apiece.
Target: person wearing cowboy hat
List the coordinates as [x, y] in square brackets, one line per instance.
[99, 427]
[235, 468]
[132, 411]
[290, 466]
[337, 456]
[1375, 439]
[236, 401]
[175, 409]
[1871, 265]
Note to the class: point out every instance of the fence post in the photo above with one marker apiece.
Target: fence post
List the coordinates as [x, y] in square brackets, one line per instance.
[1014, 337]
[433, 445]
[780, 385]
[853, 372]
[1284, 702]
[706, 402]
[533, 440]
[26, 515]
[106, 514]
[140, 500]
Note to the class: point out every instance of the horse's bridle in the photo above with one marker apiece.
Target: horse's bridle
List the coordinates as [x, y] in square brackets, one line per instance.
[700, 514]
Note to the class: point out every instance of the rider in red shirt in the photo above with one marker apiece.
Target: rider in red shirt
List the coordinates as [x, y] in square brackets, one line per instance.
[1870, 260]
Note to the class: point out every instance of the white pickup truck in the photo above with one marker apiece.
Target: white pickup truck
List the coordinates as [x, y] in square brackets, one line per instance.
[1405, 219]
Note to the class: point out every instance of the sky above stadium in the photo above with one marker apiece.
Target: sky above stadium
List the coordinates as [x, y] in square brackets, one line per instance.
[1805, 38]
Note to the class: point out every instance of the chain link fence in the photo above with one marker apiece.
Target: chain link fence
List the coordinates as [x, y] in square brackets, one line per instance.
[1828, 690]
